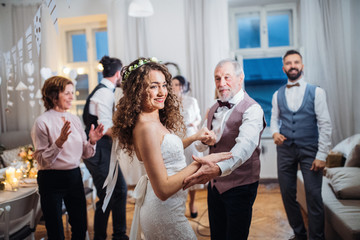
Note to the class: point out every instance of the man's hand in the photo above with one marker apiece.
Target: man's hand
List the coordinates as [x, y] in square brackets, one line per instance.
[208, 170]
[278, 138]
[96, 134]
[317, 165]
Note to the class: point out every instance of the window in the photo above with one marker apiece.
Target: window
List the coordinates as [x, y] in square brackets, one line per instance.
[265, 28]
[85, 42]
[260, 36]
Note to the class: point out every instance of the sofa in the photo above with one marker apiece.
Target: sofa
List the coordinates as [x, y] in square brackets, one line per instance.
[340, 190]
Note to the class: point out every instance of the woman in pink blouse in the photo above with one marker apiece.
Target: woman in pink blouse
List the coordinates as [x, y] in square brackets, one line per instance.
[60, 142]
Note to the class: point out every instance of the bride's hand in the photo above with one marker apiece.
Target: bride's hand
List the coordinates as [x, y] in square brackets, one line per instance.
[206, 136]
[208, 170]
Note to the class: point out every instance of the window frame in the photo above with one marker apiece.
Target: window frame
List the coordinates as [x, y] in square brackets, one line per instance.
[89, 24]
[264, 50]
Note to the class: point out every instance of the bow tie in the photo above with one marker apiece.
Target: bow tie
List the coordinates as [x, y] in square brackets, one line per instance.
[293, 85]
[225, 104]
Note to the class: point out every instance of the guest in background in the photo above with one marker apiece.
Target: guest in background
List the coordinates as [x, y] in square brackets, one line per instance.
[303, 137]
[191, 113]
[60, 142]
[99, 110]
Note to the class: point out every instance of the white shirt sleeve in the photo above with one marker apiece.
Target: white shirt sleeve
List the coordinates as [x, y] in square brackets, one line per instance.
[274, 122]
[101, 105]
[324, 124]
[247, 140]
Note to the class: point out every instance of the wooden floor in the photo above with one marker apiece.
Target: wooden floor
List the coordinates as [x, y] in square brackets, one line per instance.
[268, 222]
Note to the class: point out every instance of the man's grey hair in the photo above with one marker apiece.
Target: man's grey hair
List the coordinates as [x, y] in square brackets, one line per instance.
[237, 67]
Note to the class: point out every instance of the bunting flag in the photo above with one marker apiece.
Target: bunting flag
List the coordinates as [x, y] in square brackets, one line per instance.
[51, 4]
[20, 54]
[37, 27]
[28, 39]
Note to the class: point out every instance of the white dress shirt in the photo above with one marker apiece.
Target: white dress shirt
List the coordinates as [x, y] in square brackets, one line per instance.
[102, 104]
[249, 133]
[294, 98]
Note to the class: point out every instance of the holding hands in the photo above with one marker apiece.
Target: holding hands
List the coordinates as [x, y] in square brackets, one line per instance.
[208, 170]
[206, 136]
[96, 134]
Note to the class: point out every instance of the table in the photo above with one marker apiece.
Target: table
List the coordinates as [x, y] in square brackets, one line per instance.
[7, 196]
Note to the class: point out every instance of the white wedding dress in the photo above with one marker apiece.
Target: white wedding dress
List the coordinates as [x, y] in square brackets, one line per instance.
[163, 219]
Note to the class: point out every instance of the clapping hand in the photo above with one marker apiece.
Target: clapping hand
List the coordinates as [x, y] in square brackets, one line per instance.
[208, 170]
[64, 134]
[206, 136]
[96, 134]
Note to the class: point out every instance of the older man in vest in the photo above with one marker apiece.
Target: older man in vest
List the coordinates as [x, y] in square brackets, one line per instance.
[301, 129]
[238, 122]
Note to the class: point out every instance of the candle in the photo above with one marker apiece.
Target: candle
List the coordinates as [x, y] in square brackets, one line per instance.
[14, 184]
[10, 174]
[18, 174]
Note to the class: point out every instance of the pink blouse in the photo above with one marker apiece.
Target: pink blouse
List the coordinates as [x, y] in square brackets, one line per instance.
[46, 130]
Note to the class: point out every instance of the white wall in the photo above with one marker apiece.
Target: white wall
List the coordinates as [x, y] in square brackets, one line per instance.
[166, 27]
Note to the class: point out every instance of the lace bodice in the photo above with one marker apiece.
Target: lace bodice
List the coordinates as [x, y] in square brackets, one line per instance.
[172, 150]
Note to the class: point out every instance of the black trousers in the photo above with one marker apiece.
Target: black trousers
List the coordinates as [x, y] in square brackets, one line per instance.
[56, 186]
[98, 166]
[230, 212]
[288, 159]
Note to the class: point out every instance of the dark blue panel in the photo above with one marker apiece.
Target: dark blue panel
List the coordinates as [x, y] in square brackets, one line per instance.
[102, 49]
[278, 30]
[249, 32]
[79, 47]
[266, 69]
[263, 76]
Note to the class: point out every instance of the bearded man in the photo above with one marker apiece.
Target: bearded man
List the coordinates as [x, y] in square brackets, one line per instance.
[301, 128]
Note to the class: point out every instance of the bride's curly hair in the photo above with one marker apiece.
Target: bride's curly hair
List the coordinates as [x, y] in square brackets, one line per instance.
[135, 87]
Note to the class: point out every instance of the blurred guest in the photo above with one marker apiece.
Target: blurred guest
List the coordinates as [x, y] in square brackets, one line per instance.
[191, 112]
[60, 142]
[99, 109]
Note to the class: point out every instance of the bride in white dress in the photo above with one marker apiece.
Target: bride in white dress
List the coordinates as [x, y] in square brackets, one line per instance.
[147, 121]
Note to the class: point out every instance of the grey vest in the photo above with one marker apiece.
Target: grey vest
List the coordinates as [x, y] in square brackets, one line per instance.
[299, 127]
[247, 173]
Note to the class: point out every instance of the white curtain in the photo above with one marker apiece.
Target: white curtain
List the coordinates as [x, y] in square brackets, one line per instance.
[20, 115]
[127, 35]
[207, 42]
[326, 38]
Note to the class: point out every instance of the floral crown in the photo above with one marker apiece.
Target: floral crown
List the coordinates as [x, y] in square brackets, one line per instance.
[137, 65]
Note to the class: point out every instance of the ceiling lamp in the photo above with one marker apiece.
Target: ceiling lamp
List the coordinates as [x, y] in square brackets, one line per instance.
[141, 8]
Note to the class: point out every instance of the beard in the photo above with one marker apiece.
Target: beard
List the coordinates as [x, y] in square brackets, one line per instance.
[295, 75]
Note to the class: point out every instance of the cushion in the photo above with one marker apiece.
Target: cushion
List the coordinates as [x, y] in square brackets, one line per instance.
[353, 160]
[347, 145]
[345, 182]
[335, 159]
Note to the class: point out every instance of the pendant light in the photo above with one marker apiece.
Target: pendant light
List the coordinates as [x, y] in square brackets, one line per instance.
[140, 8]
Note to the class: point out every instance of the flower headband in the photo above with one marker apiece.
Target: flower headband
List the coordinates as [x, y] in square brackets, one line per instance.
[137, 65]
